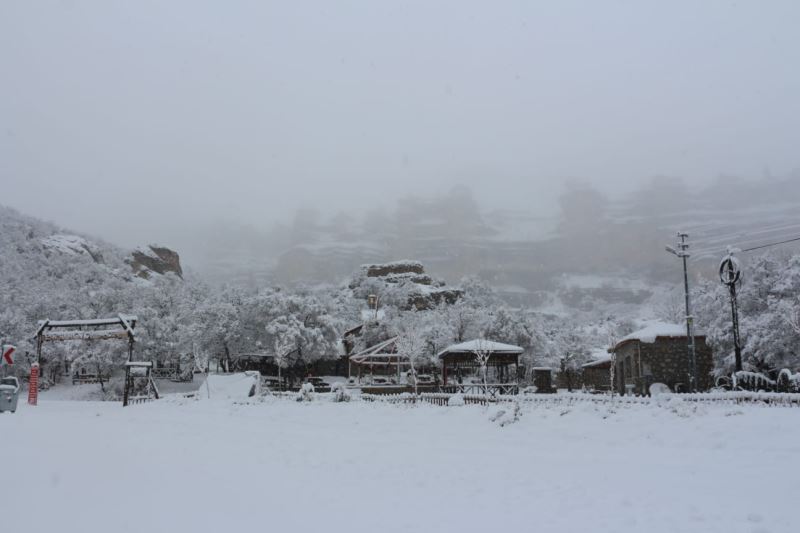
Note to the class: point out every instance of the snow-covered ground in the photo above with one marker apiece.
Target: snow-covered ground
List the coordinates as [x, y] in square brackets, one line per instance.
[182, 465]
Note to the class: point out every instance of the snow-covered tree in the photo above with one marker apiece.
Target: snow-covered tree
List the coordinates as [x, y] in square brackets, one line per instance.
[483, 352]
[411, 344]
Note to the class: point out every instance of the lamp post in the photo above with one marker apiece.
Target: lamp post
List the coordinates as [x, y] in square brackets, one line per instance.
[731, 275]
[680, 251]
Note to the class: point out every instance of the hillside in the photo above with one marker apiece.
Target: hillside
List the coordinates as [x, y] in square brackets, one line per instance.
[49, 272]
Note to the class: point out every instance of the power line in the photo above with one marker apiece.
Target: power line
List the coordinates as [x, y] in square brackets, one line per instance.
[771, 244]
[712, 242]
[713, 250]
[709, 237]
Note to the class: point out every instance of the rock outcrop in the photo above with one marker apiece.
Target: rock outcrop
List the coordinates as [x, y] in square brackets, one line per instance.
[404, 284]
[155, 259]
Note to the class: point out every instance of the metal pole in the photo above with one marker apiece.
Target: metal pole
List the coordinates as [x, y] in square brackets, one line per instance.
[737, 348]
[689, 318]
[730, 275]
[683, 254]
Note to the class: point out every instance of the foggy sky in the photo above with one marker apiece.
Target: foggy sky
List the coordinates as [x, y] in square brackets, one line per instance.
[126, 119]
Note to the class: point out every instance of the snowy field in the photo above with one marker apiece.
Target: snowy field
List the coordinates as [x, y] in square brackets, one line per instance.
[202, 466]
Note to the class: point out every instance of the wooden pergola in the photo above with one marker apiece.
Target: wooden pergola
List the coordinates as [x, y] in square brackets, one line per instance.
[382, 355]
[503, 359]
[120, 327]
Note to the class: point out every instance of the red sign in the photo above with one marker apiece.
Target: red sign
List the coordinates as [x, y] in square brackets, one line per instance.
[8, 351]
[33, 385]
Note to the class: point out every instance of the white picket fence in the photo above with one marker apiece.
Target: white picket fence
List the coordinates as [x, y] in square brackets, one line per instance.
[774, 399]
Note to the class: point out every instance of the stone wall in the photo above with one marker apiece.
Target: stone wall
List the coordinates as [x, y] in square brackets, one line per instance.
[664, 361]
[597, 377]
[570, 379]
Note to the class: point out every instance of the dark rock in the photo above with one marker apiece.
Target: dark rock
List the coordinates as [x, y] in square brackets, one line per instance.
[429, 300]
[158, 259]
[394, 269]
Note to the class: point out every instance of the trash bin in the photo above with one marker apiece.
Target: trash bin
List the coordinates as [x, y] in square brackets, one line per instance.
[9, 394]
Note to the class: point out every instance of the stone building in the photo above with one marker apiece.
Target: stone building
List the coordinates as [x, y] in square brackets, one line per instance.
[658, 354]
[597, 374]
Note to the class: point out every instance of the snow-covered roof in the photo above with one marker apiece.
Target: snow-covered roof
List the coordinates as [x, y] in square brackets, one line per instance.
[482, 345]
[600, 361]
[654, 330]
[598, 357]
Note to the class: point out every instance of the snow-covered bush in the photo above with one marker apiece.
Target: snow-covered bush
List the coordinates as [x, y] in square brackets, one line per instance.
[456, 400]
[340, 393]
[659, 389]
[788, 382]
[306, 393]
[753, 381]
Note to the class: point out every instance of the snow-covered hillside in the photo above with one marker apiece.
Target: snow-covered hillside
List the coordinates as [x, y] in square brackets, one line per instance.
[49, 272]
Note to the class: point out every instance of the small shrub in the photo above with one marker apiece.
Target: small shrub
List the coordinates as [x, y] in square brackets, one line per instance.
[306, 393]
[340, 393]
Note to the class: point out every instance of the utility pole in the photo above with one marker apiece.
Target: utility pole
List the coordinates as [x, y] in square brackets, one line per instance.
[681, 251]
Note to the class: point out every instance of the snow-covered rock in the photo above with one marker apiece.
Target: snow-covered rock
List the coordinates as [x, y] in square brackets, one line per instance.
[155, 259]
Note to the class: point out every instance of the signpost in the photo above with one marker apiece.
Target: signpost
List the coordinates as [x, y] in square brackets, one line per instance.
[7, 357]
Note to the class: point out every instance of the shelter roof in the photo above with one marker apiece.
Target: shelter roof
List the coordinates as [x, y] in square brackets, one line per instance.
[482, 345]
[653, 331]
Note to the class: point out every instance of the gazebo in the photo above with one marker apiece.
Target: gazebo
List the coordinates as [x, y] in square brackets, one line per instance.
[466, 356]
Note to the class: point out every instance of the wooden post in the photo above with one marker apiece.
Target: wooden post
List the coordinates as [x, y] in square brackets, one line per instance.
[127, 386]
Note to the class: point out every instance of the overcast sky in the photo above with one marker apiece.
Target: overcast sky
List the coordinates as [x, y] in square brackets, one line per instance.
[118, 118]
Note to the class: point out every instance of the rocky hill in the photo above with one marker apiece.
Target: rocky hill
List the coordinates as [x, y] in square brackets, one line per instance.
[49, 272]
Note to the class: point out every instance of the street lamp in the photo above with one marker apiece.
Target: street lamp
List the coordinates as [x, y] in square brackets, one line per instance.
[731, 275]
[680, 251]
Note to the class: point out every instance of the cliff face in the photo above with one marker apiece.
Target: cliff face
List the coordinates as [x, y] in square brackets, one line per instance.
[155, 259]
